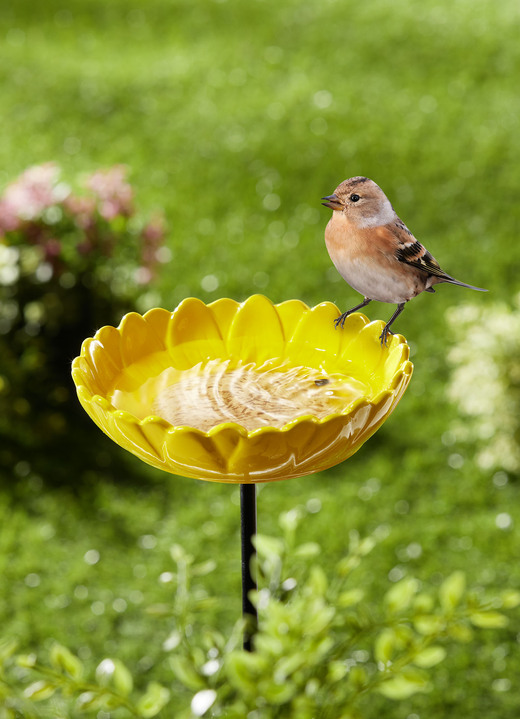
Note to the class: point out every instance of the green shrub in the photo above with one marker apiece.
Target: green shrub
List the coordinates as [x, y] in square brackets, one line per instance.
[69, 262]
[322, 648]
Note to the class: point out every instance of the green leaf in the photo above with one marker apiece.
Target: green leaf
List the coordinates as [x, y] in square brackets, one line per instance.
[460, 632]
[266, 644]
[63, 660]
[400, 596]
[279, 693]
[185, 672]
[40, 690]
[122, 678]
[307, 550]
[205, 603]
[153, 700]
[28, 661]
[322, 647]
[289, 520]
[109, 702]
[312, 687]
[336, 671]
[430, 656]
[347, 565]
[429, 624]
[286, 666]
[488, 620]
[404, 685]
[317, 581]
[423, 603]
[179, 555]
[384, 646]
[510, 598]
[89, 701]
[350, 597]
[244, 670]
[452, 590]
[404, 635]
[268, 546]
[204, 568]
[318, 618]
[358, 677]
[365, 546]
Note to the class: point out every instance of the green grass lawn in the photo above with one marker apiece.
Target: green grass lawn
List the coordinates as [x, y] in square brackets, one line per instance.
[236, 118]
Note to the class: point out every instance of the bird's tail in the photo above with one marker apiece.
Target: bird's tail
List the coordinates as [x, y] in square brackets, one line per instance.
[453, 281]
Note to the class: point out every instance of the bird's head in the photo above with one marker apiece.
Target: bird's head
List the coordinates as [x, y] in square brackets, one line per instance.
[362, 202]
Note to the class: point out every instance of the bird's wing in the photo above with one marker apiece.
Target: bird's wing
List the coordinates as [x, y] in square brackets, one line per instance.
[411, 252]
[398, 241]
[416, 255]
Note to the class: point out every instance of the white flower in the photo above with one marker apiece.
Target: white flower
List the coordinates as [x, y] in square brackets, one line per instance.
[485, 381]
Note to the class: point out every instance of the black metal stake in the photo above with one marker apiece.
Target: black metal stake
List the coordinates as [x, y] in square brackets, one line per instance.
[248, 530]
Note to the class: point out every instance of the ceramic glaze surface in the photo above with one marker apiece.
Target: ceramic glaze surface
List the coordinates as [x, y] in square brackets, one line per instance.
[249, 392]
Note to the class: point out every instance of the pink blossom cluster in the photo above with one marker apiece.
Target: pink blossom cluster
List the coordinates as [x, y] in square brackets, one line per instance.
[114, 194]
[29, 195]
[40, 210]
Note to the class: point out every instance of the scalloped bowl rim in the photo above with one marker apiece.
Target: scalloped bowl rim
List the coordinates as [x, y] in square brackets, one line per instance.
[405, 369]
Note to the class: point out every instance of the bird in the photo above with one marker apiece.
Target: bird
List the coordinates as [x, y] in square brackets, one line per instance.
[375, 252]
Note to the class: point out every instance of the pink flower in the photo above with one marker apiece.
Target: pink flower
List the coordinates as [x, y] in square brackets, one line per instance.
[113, 191]
[82, 209]
[9, 220]
[32, 192]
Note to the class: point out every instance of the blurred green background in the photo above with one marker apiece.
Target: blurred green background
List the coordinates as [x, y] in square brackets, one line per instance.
[236, 118]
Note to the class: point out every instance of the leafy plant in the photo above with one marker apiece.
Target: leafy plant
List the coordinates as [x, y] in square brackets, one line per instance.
[322, 649]
[485, 382]
[69, 262]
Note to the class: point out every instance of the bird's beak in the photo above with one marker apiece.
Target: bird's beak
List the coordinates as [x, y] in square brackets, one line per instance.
[332, 202]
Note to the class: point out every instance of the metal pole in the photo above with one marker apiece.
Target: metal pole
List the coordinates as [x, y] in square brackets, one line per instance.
[248, 530]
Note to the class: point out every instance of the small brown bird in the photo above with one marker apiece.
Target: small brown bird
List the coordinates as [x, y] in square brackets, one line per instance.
[375, 252]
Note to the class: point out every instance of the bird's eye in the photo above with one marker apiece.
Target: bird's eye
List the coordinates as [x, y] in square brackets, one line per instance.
[354, 198]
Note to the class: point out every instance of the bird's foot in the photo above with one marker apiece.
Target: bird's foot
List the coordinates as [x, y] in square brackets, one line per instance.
[384, 335]
[340, 321]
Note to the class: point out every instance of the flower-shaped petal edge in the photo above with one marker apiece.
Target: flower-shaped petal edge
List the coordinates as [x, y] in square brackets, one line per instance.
[228, 452]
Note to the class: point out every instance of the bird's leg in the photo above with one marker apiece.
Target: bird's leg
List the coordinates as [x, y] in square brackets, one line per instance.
[386, 329]
[341, 319]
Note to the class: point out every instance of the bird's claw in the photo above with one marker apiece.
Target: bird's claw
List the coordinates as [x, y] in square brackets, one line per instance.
[384, 335]
[341, 320]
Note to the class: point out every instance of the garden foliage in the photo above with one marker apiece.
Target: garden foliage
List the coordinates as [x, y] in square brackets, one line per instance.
[70, 261]
[322, 650]
[485, 382]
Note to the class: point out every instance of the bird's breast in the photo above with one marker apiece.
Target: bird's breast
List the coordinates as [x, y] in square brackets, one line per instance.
[369, 267]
